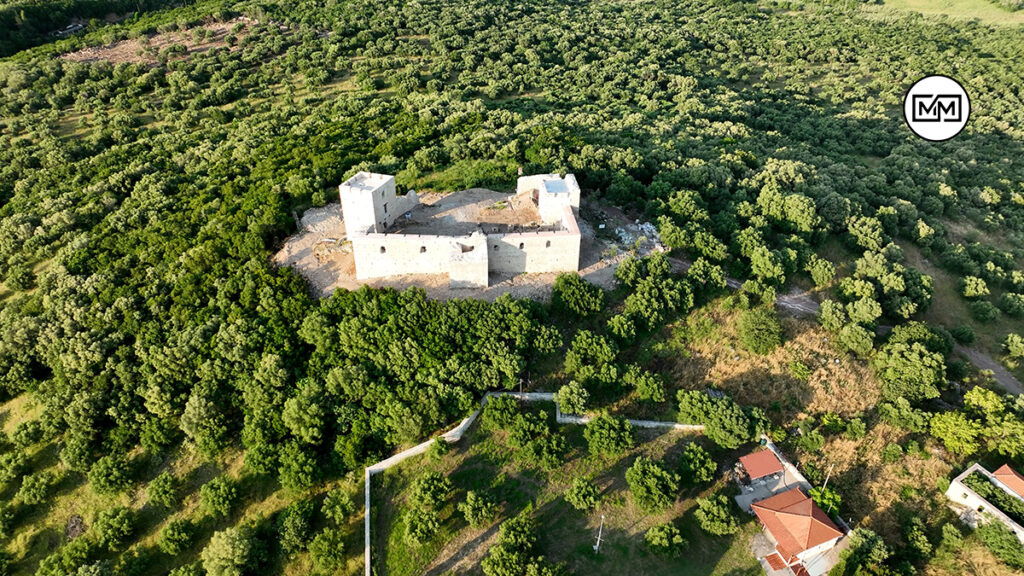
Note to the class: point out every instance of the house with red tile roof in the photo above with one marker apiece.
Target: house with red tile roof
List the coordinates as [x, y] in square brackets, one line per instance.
[801, 531]
[760, 464]
[1011, 479]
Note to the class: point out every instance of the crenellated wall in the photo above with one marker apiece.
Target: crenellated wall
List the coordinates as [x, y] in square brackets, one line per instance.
[469, 259]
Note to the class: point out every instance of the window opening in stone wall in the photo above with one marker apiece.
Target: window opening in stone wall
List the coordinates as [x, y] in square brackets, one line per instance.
[548, 244]
[383, 249]
[423, 249]
[521, 245]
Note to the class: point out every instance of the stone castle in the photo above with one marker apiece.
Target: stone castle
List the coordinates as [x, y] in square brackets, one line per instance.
[531, 232]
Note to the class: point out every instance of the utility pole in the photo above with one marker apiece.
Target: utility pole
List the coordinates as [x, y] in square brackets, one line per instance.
[825, 485]
[597, 547]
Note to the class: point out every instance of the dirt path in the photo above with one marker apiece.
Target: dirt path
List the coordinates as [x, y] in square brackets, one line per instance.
[985, 362]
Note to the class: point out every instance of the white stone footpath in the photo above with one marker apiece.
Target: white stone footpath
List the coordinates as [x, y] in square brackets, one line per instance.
[455, 434]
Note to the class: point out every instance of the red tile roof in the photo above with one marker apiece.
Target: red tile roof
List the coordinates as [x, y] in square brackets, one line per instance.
[799, 570]
[1011, 478]
[776, 561]
[761, 464]
[795, 521]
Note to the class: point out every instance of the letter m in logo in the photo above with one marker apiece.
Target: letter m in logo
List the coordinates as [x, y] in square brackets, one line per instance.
[936, 108]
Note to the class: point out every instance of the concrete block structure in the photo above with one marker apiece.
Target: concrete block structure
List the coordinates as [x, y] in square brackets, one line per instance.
[370, 202]
[534, 231]
[975, 509]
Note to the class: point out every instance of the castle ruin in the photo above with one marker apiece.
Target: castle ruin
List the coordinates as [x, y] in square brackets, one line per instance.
[533, 231]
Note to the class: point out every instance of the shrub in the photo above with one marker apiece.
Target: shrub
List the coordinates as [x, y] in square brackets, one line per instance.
[499, 413]
[909, 370]
[582, 494]
[293, 528]
[726, 424]
[430, 491]
[27, 434]
[327, 550]
[114, 528]
[648, 386]
[298, 469]
[572, 398]
[229, 553]
[35, 487]
[957, 432]
[513, 554]
[193, 569]
[984, 311]
[652, 487]
[972, 288]
[12, 466]
[917, 539]
[337, 506]
[665, 539]
[1013, 345]
[1003, 543]
[6, 521]
[163, 490]
[759, 330]
[110, 475]
[963, 334]
[574, 294]
[827, 499]
[420, 526]
[438, 449]
[477, 509]
[218, 496]
[892, 452]
[715, 515]
[1012, 304]
[176, 537]
[608, 436]
[856, 429]
[696, 466]
[588, 351]
[822, 271]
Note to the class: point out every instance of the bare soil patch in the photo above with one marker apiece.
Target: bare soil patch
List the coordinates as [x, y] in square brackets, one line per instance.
[148, 49]
[471, 210]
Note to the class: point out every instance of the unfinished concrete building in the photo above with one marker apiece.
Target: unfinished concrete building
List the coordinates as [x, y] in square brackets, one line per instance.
[468, 235]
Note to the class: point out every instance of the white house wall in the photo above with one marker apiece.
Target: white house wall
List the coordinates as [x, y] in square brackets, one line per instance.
[982, 509]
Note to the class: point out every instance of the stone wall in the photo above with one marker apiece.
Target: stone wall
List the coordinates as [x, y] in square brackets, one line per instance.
[534, 252]
[378, 255]
[468, 259]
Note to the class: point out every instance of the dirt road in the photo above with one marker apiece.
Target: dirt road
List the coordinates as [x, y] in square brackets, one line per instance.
[985, 362]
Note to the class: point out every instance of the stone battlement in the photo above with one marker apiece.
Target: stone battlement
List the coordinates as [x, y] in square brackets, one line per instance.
[374, 214]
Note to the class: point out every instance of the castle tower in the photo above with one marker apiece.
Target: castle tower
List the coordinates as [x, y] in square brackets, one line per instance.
[369, 202]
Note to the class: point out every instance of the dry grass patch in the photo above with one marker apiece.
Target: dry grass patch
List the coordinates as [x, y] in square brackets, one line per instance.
[974, 558]
[873, 490]
[805, 375]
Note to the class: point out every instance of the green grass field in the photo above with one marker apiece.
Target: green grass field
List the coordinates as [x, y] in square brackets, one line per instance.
[482, 462]
[982, 10]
